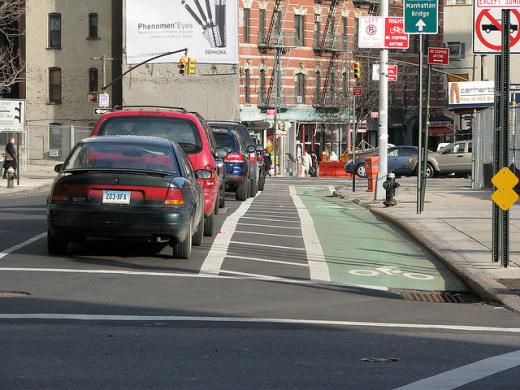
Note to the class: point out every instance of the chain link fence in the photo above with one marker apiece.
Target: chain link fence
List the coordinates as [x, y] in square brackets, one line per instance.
[483, 145]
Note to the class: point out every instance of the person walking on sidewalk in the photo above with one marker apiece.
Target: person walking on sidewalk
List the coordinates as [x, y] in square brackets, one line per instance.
[10, 157]
[307, 163]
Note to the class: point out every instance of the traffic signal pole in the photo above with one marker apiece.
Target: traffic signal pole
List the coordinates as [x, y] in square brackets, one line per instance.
[383, 114]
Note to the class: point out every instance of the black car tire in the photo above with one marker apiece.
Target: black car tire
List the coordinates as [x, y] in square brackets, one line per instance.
[261, 183]
[253, 189]
[430, 171]
[222, 201]
[361, 170]
[242, 189]
[182, 250]
[199, 234]
[209, 225]
[56, 245]
[216, 206]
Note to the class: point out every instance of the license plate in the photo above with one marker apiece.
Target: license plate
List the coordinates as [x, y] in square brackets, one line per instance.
[117, 197]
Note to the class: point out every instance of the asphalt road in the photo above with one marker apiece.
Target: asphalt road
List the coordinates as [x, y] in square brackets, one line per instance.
[248, 310]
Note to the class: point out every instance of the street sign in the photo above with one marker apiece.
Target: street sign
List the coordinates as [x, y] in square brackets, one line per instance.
[104, 100]
[500, 4]
[504, 196]
[421, 16]
[357, 91]
[101, 111]
[487, 29]
[438, 56]
[392, 72]
[12, 115]
[378, 32]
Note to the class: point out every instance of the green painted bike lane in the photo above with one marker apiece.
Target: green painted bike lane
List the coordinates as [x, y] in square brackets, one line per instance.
[361, 249]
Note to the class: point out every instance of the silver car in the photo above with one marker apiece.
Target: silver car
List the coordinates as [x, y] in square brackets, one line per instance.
[454, 158]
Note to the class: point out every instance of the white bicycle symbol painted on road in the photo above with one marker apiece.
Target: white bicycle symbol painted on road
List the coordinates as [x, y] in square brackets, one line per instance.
[390, 271]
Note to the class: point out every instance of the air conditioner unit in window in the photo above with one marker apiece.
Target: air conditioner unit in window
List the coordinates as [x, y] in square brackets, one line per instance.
[299, 99]
[457, 50]
[54, 153]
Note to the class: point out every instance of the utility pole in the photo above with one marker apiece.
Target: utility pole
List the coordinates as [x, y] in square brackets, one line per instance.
[104, 59]
[383, 113]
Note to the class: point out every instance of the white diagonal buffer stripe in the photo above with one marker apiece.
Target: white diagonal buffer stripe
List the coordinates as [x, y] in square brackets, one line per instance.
[317, 264]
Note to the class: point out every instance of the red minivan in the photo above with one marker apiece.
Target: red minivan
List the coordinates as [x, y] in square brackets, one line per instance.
[187, 129]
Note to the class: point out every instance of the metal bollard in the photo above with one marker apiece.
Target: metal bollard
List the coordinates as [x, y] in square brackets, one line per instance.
[10, 177]
[390, 186]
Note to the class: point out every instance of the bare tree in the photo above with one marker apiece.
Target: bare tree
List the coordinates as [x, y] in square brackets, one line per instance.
[11, 66]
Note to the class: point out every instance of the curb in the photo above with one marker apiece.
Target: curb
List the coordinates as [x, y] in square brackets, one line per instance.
[478, 282]
[25, 190]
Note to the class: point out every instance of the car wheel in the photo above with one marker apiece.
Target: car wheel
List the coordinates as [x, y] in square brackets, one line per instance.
[199, 234]
[222, 199]
[253, 189]
[361, 170]
[209, 225]
[430, 171]
[242, 189]
[182, 250]
[56, 245]
[261, 183]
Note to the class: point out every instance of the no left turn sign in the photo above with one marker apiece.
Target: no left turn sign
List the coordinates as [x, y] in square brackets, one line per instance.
[487, 32]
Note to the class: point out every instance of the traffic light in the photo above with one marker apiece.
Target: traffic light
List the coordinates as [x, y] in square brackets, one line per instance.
[183, 65]
[192, 65]
[357, 69]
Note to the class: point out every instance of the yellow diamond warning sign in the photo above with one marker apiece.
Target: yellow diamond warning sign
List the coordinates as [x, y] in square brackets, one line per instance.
[504, 181]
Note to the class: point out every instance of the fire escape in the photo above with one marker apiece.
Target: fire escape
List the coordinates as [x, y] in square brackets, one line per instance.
[274, 40]
[330, 98]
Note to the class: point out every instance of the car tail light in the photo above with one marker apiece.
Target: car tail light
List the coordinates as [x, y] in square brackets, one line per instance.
[174, 197]
[59, 193]
[234, 157]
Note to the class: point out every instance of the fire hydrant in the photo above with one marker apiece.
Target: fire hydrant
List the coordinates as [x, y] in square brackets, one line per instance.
[390, 186]
[10, 177]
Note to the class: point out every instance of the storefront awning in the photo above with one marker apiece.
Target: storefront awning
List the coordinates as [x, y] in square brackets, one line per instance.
[438, 131]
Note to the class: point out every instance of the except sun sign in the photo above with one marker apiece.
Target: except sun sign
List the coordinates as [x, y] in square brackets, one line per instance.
[487, 31]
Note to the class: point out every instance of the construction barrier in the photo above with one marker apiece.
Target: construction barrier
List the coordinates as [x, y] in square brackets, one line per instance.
[372, 169]
[333, 169]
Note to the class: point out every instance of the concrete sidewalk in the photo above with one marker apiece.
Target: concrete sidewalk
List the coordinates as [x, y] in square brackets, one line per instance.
[456, 227]
[34, 178]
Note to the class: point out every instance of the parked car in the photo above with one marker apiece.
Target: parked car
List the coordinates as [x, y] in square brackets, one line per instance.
[254, 168]
[127, 187]
[455, 158]
[236, 162]
[399, 158]
[188, 129]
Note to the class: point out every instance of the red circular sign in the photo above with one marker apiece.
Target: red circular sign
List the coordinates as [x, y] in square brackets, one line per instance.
[478, 28]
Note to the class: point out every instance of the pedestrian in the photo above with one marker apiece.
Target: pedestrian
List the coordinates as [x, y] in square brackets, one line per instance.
[314, 165]
[10, 157]
[267, 162]
[333, 156]
[307, 163]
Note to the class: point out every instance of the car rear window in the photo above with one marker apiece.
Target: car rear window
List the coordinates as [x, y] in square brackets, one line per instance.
[127, 156]
[226, 140]
[182, 131]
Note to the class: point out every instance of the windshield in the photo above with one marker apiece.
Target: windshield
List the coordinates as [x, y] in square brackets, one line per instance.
[182, 131]
[126, 156]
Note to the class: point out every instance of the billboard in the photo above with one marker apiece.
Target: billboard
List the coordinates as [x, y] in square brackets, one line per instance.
[467, 94]
[208, 28]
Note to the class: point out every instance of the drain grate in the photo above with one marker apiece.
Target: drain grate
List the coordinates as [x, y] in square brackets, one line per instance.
[13, 294]
[437, 297]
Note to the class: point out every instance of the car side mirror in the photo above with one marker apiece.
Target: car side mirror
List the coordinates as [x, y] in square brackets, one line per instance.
[58, 167]
[251, 149]
[221, 152]
[203, 174]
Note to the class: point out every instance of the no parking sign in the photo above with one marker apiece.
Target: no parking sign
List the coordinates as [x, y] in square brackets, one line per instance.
[487, 26]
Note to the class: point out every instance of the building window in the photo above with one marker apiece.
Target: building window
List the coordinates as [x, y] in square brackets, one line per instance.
[299, 30]
[247, 86]
[54, 31]
[457, 50]
[261, 92]
[317, 87]
[247, 25]
[344, 33]
[261, 17]
[93, 80]
[55, 138]
[317, 30]
[55, 85]
[92, 26]
[345, 84]
[300, 88]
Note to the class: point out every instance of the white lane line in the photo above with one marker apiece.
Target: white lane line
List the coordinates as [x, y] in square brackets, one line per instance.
[318, 266]
[272, 226]
[268, 261]
[22, 244]
[269, 234]
[466, 374]
[267, 245]
[283, 321]
[271, 219]
[218, 250]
